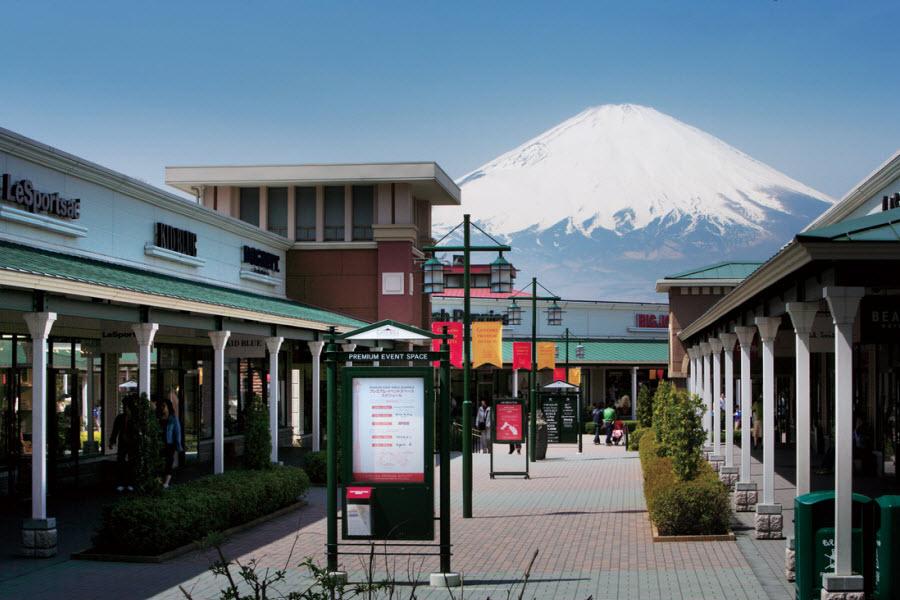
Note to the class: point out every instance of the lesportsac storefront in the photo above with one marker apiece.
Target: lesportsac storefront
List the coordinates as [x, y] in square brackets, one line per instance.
[813, 336]
[110, 287]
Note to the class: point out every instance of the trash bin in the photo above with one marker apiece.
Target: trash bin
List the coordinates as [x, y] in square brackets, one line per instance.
[814, 541]
[887, 553]
[358, 512]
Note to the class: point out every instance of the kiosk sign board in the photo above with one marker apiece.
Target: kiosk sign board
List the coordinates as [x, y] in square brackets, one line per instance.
[509, 422]
[560, 411]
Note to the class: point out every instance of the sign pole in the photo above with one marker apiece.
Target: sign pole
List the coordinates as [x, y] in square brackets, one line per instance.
[532, 377]
[331, 432]
[445, 455]
[467, 401]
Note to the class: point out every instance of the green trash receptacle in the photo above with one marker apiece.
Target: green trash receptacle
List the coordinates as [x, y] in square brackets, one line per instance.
[814, 541]
[887, 548]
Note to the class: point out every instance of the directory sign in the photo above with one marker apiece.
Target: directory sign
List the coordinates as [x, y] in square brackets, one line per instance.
[560, 412]
[509, 422]
[388, 429]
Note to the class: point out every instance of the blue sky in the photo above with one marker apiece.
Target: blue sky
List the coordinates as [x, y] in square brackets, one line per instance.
[812, 88]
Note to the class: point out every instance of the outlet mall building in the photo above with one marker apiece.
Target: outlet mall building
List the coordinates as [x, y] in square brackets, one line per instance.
[109, 286]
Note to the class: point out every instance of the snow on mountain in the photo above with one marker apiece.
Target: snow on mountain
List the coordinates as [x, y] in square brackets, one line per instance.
[624, 187]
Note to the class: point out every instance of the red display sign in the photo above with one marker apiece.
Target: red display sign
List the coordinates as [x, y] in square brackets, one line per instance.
[455, 329]
[522, 355]
[559, 374]
[651, 321]
[509, 425]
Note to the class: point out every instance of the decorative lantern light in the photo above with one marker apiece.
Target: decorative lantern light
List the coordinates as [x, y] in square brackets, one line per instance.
[554, 314]
[579, 351]
[433, 271]
[514, 313]
[501, 276]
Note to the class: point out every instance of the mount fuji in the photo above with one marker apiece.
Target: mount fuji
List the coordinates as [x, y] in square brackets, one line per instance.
[618, 196]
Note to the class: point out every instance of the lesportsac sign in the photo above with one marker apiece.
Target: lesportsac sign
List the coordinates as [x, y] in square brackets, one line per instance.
[23, 193]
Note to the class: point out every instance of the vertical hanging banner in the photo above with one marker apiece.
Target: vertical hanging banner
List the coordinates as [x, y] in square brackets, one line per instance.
[522, 355]
[487, 343]
[575, 375]
[454, 328]
[559, 374]
[546, 355]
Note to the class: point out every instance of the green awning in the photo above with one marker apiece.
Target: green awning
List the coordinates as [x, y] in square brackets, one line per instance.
[722, 270]
[606, 351]
[24, 259]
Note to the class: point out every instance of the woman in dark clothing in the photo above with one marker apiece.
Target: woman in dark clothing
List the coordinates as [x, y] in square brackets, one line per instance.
[123, 437]
[171, 437]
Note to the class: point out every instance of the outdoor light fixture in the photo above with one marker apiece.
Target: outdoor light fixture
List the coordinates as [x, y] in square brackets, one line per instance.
[433, 271]
[514, 313]
[579, 351]
[501, 276]
[554, 314]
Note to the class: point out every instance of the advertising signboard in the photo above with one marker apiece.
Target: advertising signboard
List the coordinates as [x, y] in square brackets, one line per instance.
[560, 411]
[509, 421]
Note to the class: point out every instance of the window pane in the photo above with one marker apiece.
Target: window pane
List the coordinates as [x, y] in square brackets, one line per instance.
[250, 205]
[334, 213]
[276, 219]
[363, 211]
[305, 214]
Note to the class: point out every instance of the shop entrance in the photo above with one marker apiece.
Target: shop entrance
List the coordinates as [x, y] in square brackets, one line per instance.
[180, 379]
[15, 427]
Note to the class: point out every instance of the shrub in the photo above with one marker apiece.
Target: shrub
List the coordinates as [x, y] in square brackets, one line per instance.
[146, 440]
[662, 422]
[257, 439]
[644, 407]
[316, 466]
[149, 525]
[634, 438]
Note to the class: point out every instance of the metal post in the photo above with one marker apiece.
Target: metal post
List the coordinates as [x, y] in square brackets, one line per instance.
[532, 377]
[331, 432]
[445, 455]
[467, 401]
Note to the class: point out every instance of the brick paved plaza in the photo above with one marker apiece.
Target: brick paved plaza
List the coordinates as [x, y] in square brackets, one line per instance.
[585, 514]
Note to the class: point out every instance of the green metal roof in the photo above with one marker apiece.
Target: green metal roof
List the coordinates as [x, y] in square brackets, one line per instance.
[879, 227]
[606, 351]
[14, 257]
[722, 270]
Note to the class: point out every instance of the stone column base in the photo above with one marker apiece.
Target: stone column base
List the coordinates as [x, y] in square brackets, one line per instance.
[842, 587]
[39, 538]
[729, 476]
[769, 522]
[745, 496]
[717, 461]
[790, 560]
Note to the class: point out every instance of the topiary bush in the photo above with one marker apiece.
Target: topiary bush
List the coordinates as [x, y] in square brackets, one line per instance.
[634, 438]
[316, 466]
[150, 525]
[644, 407]
[146, 440]
[257, 439]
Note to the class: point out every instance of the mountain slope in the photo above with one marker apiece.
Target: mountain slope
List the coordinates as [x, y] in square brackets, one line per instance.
[630, 193]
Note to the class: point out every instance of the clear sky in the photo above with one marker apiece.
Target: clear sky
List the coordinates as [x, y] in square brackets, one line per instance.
[809, 87]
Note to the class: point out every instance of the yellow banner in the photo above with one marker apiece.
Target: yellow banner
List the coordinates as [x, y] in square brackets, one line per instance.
[575, 375]
[487, 343]
[546, 355]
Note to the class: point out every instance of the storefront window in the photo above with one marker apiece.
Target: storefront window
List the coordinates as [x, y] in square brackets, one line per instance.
[363, 211]
[276, 211]
[249, 209]
[305, 214]
[334, 213]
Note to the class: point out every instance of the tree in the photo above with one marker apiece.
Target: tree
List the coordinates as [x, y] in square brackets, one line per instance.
[257, 440]
[645, 407]
[146, 440]
[683, 436]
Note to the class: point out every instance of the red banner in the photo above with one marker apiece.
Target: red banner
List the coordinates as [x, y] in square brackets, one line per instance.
[510, 426]
[454, 328]
[522, 355]
[559, 374]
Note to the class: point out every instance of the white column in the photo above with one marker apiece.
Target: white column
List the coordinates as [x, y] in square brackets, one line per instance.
[515, 383]
[768, 329]
[348, 348]
[802, 316]
[745, 338]
[728, 340]
[39, 325]
[692, 352]
[716, 393]
[219, 339]
[315, 348]
[273, 345]
[634, 391]
[144, 333]
[706, 386]
[844, 303]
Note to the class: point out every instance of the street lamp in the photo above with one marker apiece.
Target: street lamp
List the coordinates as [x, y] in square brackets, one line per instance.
[433, 274]
[467, 248]
[501, 275]
[532, 375]
[514, 313]
[579, 351]
[554, 314]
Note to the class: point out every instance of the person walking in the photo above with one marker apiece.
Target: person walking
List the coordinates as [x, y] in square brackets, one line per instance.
[609, 417]
[483, 423]
[756, 425]
[122, 439]
[597, 417]
[172, 439]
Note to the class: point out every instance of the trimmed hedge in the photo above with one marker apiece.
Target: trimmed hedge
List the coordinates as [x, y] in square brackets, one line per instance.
[150, 525]
[589, 426]
[634, 438]
[700, 506]
[316, 466]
